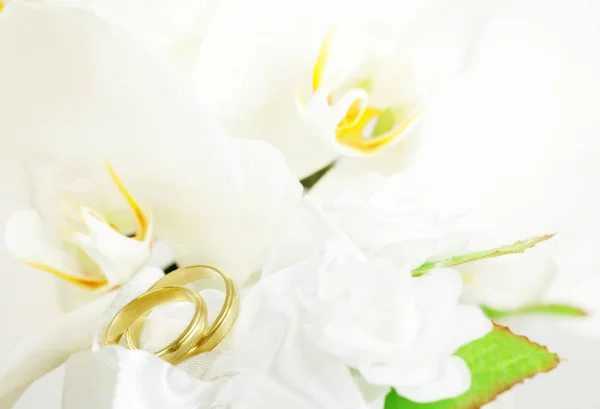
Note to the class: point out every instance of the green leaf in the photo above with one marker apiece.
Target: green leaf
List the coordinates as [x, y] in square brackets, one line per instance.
[518, 247]
[497, 362]
[562, 310]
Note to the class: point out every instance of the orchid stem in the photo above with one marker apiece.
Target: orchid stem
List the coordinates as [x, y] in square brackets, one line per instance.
[311, 180]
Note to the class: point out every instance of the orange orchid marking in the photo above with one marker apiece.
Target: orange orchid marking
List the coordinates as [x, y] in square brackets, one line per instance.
[142, 231]
[84, 282]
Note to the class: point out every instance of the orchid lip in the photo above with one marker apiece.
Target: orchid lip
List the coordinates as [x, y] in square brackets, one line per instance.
[363, 128]
[99, 230]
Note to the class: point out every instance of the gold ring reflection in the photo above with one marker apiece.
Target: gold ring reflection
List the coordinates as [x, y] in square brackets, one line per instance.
[145, 303]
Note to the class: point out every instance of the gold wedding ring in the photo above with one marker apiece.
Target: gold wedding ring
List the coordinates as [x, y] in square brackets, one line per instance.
[145, 303]
[197, 338]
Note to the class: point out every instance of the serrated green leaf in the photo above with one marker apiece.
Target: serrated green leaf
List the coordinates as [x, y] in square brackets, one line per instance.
[497, 362]
[518, 247]
[562, 310]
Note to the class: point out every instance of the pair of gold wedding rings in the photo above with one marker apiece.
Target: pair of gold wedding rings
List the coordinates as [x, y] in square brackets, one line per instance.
[197, 336]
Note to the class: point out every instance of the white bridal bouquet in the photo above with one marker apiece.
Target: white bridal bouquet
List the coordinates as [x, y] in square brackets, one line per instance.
[310, 205]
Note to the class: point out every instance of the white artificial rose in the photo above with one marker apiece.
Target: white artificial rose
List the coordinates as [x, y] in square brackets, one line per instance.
[366, 308]
[394, 329]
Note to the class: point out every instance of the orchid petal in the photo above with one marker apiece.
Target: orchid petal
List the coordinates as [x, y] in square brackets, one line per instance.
[24, 238]
[117, 256]
[172, 28]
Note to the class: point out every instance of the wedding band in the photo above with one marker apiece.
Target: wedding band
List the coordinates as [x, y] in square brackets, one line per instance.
[209, 278]
[145, 303]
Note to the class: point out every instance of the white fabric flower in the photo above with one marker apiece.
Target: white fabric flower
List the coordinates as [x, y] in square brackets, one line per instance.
[394, 329]
[366, 308]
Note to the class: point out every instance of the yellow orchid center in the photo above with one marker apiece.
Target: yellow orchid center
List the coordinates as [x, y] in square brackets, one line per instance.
[364, 129]
[1, 6]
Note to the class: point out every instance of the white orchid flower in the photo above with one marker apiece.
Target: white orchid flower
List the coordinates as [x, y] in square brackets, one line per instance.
[354, 254]
[400, 52]
[342, 104]
[82, 90]
[174, 29]
[389, 326]
[99, 258]
[169, 151]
